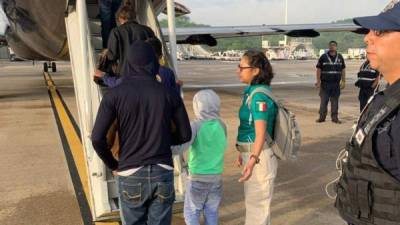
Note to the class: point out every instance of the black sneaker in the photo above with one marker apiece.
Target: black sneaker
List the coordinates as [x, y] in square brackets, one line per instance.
[336, 120]
[320, 120]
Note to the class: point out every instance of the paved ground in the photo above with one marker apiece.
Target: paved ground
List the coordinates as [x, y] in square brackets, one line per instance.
[35, 186]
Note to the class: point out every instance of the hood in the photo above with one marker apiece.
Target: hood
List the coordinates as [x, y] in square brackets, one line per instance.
[206, 105]
[141, 60]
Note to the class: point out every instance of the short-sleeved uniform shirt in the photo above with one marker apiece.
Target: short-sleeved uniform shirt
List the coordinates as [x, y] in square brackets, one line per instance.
[261, 108]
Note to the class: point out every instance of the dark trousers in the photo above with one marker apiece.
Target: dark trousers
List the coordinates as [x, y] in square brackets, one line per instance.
[147, 196]
[364, 95]
[329, 92]
[108, 9]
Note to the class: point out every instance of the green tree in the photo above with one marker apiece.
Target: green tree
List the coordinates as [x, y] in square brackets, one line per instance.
[182, 21]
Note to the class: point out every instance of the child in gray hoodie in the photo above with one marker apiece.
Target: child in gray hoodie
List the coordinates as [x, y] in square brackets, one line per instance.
[206, 160]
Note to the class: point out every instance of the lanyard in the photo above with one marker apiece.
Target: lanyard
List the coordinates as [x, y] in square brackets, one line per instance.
[330, 60]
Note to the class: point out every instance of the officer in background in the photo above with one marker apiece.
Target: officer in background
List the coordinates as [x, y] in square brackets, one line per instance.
[368, 192]
[367, 81]
[331, 76]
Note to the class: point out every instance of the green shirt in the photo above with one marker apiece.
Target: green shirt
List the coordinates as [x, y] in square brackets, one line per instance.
[261, 108]
[206, 154]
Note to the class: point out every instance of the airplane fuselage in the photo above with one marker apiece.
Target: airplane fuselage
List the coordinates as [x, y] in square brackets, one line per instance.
[37, 29]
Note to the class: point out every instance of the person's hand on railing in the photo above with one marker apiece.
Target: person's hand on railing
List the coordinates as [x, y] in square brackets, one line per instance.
[99, 73]
[179, 83]
[98, 78]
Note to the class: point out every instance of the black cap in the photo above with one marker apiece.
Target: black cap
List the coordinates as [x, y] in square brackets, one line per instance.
[388, 20]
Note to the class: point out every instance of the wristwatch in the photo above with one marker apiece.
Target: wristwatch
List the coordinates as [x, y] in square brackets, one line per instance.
[255, 157]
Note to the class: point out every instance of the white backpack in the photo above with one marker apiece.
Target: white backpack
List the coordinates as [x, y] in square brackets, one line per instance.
[287, 138]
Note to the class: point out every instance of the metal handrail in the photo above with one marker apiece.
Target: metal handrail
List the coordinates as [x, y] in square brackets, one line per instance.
[71, 4]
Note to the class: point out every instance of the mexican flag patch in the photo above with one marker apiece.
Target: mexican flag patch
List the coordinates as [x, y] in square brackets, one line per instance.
[261, 106]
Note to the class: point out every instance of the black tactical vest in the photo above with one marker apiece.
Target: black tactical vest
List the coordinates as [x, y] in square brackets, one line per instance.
[366, 193]
[331, 70]
[366, 76]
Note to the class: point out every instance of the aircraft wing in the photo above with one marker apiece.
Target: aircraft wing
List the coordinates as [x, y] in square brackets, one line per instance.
[208, 35]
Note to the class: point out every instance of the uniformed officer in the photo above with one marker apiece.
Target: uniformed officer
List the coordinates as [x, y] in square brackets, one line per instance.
[331, 76]
[257, 119]
[368, 191]
[367, 81]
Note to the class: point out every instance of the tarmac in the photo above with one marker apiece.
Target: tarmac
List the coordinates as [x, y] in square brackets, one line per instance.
[36, 186]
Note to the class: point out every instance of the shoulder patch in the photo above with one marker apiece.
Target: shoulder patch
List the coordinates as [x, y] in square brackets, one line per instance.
[261, 106]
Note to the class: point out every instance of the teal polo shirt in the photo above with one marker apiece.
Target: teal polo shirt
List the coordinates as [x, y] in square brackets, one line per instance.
[261, 108]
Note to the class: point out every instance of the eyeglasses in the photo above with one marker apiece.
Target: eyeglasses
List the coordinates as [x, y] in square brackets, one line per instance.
[241, 68]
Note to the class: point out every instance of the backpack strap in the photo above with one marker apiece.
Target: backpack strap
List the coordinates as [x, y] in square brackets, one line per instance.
[261, 90]
[268, 93]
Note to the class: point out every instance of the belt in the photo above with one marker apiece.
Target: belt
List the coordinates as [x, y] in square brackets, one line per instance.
[246, 146]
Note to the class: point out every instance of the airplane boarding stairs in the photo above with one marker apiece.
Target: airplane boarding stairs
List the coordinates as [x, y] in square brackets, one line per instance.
[85, 44]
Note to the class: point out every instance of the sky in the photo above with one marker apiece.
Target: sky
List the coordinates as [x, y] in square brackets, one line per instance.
[257, 12]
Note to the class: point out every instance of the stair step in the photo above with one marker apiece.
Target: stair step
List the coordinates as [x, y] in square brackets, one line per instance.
[93, 10]
[95, 27]
[92, 1]
[97, 43]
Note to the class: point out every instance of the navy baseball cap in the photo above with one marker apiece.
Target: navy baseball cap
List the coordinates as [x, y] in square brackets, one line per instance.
[388, 20]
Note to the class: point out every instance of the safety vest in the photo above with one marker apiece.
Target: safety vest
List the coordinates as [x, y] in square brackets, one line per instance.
[366, 193]
[331, 71]
[366, 76]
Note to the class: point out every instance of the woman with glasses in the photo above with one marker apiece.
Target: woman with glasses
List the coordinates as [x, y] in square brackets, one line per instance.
[257, 118]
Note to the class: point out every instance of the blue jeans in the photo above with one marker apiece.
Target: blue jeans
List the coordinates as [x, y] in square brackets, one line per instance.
[202, 197]
[108, 9]
[146, 197]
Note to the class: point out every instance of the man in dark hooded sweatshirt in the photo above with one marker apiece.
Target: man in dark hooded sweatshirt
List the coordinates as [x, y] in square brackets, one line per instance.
[145, 111]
